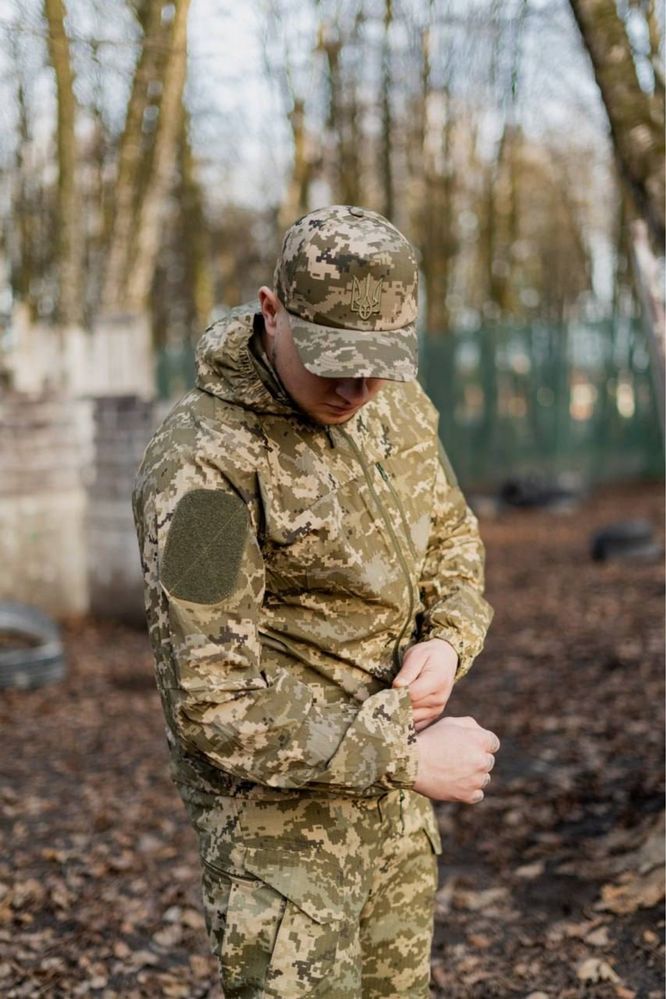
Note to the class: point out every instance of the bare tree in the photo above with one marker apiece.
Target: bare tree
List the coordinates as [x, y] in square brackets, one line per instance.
[146, 156]
[122, 217]
[387, 137]
[635, 116]
[69, 236]
[343, 120]
[636, 119]
[194, 235]
[306, 156]
[21, 236]
[165, 152]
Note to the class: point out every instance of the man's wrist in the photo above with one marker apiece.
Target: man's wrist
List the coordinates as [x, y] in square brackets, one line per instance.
[457, 644]
[450, 646]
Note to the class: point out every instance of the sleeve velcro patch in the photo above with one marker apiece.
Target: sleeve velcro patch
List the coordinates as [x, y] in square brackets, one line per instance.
[204, 546]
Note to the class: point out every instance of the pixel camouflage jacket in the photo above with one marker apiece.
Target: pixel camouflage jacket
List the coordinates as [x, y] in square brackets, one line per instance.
[287, 567]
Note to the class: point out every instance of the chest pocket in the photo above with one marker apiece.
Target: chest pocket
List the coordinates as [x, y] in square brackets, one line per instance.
[310, 539]
[331, 527]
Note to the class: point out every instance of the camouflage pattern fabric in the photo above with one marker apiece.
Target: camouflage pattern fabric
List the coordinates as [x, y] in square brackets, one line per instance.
[329, 898]
[348, 279]
[354, 545]
[287, 568]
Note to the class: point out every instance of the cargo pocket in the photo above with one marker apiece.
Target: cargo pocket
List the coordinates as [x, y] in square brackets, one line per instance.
[280, 933]
[307, 938]
[242, 917]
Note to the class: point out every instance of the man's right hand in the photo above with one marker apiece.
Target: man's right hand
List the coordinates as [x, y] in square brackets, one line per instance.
[456, 756]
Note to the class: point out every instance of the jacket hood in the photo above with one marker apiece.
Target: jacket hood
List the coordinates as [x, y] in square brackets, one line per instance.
[227, 368]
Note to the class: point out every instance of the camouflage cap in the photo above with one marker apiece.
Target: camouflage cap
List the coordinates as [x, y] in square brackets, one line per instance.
[348, 280]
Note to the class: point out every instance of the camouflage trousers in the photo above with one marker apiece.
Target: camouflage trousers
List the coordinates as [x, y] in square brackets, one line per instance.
[319, 897]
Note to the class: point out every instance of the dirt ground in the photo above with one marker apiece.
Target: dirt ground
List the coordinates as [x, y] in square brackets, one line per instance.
[551, 887]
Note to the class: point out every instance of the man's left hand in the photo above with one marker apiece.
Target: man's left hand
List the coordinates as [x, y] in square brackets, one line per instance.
[428, 670]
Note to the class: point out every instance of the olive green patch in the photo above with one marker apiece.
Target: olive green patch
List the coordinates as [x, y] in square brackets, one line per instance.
[447, 466]
[204, 546]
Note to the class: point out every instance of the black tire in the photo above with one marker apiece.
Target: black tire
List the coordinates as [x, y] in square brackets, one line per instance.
[532, 493]
[624, 539]
[43, 661]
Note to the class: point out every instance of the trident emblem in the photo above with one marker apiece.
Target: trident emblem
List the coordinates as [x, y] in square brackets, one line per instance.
[365, 297]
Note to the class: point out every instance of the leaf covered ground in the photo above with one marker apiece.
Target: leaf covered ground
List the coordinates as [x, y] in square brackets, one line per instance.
[551, 888]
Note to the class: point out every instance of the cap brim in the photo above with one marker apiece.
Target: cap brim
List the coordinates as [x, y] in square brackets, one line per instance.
[341, 353]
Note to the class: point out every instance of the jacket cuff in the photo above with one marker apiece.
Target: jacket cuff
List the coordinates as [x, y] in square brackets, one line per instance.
[403, 768]
[466, 652]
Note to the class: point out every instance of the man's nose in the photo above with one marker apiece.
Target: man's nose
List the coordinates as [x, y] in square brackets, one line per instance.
[353, 390]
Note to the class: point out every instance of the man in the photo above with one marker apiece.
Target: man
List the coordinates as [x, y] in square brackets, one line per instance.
[314, 587]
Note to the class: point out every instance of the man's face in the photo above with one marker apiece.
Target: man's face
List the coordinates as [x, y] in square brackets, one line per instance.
[325, 400]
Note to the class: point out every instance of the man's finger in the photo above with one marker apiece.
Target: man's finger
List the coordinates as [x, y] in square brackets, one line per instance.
[425, 690]
[485, 738]
[420, 713]
[411, 668]
[434, 700]
[431, 683]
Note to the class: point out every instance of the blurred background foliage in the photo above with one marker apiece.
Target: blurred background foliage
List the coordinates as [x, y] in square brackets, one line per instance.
[153, 152]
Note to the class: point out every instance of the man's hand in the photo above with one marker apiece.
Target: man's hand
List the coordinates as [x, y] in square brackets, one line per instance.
[455, 760]
[428, 670]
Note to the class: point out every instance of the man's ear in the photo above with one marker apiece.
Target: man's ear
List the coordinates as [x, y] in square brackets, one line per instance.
[270, 305]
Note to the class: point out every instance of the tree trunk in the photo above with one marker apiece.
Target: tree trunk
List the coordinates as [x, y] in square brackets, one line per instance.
[438, 236]
[635, 117]
[650, 290]
[386, 163]
[432, 176]
[69, 248]
[195, 236]
[296, 202]
[22, 251]
[124, 207]
[343, 119]
[151, 209]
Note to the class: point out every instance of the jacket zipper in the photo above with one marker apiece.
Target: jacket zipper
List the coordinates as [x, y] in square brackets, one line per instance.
[397, 658]
[387, 479]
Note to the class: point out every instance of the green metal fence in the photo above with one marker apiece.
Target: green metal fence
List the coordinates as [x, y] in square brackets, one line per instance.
[547, 401]
[541, 400]
[174, 370]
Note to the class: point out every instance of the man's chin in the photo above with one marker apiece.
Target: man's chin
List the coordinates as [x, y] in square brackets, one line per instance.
[334, 419]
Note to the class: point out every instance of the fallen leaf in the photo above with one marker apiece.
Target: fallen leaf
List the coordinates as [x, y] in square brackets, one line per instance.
[479, 940]
[140, 958]
[593, 969]
[598, 937]
[169, 936]
[193, 919]
[531, 871]
[642, 891]
[477, 900]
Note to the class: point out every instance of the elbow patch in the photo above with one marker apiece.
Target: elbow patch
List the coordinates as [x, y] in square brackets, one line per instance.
[204, 547]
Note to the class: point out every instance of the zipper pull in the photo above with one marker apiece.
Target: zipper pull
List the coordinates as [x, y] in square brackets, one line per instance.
[331, 439]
